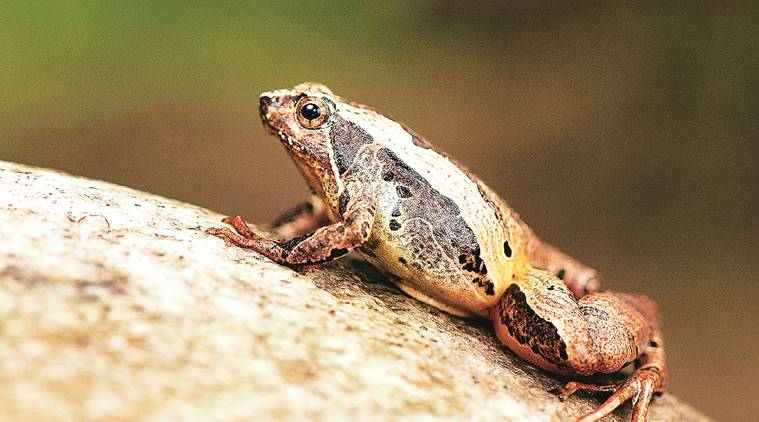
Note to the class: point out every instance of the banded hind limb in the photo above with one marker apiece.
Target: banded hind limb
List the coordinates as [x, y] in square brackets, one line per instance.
[541, 321]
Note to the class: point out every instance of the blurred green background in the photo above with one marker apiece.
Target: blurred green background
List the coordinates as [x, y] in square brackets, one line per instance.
[624, 133]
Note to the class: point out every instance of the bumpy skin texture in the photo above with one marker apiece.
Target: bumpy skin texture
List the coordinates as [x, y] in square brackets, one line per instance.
[446, 239]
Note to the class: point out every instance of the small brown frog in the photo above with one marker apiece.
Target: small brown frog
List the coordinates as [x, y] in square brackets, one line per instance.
[446, 239]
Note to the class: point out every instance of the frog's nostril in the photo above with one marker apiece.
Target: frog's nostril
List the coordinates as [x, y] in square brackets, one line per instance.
[264, 105]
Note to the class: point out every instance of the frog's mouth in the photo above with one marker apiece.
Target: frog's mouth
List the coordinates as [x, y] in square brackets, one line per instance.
[271, 129]
[267, 118]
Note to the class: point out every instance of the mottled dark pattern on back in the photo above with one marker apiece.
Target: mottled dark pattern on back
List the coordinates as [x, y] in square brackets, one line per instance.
[347, 138]
[431, 218]
[529, 329]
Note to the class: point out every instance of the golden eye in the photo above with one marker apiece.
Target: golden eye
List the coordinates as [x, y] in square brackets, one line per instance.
[312, 113]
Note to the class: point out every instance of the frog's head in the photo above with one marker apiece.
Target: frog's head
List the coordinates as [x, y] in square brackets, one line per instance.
[319, 130]
[301, 118]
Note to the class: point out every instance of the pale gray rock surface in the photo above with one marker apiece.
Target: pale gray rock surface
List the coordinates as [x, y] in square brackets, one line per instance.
[115, 305]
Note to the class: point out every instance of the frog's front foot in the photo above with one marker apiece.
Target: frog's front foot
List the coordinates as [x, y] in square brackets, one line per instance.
[640, 387]
[242, 236]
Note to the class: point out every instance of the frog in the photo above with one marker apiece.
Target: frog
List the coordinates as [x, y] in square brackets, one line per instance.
[440, 234]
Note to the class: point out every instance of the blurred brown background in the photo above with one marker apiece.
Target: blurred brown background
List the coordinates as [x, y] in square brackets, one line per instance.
[625, 134]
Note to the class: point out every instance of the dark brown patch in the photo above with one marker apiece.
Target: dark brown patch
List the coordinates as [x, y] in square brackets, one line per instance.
[507, 249]
[420, 202]
[485, 284]
[365, 229]
[291, 244]
[393, 277]
[343, 201]
[366, 251]
[394, 225]
[336, 253]
[333, 254]
[403, 192]
[561, 274]
[402, 260]
[529, 329]
[347, 138]
[473, 262]
[589, 311]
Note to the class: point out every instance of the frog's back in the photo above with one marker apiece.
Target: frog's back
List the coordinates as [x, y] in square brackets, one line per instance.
[440, 233]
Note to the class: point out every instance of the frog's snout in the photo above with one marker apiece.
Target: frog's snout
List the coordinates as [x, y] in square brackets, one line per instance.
[263, 106]
[264, 112]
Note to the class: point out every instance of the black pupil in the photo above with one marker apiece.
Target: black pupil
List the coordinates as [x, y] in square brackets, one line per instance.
[310, 111]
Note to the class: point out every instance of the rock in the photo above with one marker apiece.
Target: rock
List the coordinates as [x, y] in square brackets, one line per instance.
[114, 304]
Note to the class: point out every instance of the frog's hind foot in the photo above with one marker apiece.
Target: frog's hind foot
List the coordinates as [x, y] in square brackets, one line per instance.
[640, 387]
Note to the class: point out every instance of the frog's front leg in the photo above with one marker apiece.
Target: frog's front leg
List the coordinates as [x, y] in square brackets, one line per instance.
[304, 218]
[540, 320]
[323, 245]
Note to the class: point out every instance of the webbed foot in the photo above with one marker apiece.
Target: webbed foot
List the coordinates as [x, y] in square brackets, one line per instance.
[640, 387]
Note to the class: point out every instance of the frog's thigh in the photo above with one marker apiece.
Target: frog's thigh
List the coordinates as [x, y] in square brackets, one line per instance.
[539, 319]
[579, 278]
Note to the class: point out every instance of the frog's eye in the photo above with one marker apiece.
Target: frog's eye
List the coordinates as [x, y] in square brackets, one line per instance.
[312, 113]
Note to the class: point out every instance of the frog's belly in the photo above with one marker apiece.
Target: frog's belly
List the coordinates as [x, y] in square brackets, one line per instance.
[422, 267]
[418, 295]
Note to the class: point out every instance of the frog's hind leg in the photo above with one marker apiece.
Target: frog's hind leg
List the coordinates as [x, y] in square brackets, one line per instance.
[303, 218]
[540, 320]
[579, 278]
[640, 387]
[647, 380]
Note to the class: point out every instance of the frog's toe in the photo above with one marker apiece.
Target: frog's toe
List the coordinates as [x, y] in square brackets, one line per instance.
[640, 387]
[238, 223]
